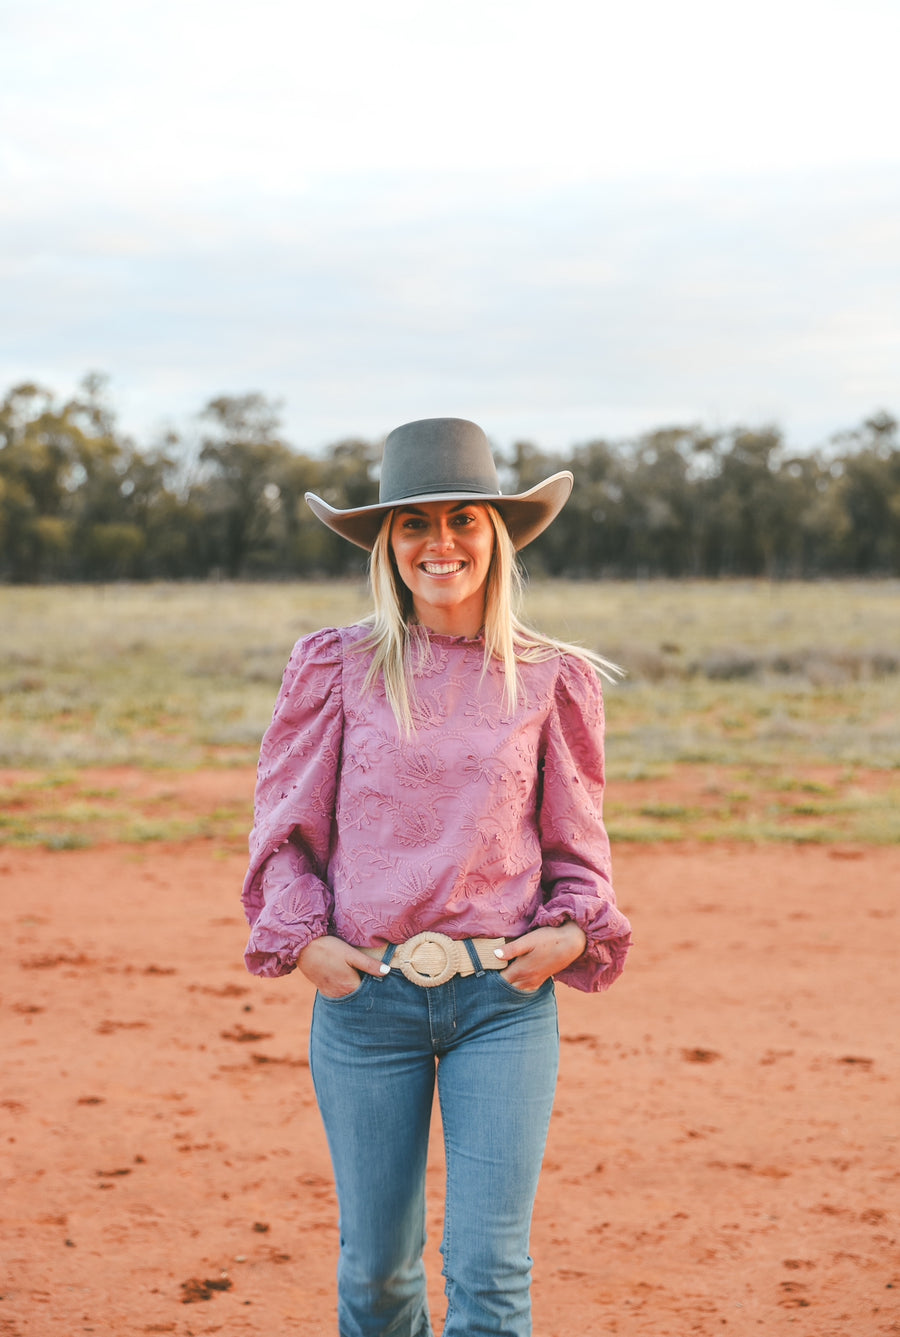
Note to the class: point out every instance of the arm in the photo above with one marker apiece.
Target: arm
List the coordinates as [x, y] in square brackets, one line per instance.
[286, 897]
[577, 875]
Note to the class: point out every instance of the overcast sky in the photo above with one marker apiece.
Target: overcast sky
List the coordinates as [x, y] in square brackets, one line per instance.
[562, 218]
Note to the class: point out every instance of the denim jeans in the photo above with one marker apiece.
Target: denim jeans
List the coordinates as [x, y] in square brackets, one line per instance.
[374, 1057]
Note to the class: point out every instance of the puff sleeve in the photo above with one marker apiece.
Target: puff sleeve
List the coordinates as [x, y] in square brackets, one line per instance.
[286, 896]
[576, 869]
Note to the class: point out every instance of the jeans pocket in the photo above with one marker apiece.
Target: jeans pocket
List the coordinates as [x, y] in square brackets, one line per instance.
[346, 997]
[516, 992]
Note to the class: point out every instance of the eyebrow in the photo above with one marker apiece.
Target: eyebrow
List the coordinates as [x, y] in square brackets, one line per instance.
[418, 510]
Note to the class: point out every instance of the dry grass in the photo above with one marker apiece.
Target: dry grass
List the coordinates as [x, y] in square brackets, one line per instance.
[762, 681]
[159, 675]
[745, 673]
[186, 674]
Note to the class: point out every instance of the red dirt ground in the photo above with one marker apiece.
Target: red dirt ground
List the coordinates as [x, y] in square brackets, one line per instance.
[722, 1159]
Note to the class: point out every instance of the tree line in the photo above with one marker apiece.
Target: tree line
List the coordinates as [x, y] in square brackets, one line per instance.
[81, 501]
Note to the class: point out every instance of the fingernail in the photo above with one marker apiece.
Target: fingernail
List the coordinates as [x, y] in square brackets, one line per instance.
[498, 951]
[385, 969]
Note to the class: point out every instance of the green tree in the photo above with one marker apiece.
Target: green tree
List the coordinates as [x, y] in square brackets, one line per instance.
[61, 470]
[869, 493]
[239, 492]
[79, 500]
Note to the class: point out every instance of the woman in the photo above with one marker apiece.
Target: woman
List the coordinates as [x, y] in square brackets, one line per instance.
[429, 850]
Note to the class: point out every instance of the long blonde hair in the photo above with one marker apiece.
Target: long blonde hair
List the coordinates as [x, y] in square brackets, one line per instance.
[506, 638]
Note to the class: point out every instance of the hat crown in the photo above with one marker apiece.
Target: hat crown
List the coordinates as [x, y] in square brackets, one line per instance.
[445, 459]
[436, 456]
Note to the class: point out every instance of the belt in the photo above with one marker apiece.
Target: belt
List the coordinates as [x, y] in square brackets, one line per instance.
[433, 958]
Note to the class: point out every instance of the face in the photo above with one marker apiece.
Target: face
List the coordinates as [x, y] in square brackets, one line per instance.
[443, 552]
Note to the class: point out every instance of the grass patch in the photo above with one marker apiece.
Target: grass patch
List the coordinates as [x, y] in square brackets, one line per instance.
[185, 675]
[71, 811]
[677, 803]
[158, 675]
[780, 693]
[759, 805]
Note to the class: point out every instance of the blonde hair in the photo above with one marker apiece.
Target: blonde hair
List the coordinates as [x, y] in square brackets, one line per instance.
[507, 639]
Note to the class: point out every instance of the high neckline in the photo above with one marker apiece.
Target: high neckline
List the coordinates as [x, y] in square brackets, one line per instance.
[418, 629]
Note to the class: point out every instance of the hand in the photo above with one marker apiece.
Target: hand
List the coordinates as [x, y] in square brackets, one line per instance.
[541, 953]
[334, 967]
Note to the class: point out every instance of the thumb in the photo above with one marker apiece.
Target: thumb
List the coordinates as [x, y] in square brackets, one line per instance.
[518, 947]
[369, 965]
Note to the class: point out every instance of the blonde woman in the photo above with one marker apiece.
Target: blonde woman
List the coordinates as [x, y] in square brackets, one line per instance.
[429, 850]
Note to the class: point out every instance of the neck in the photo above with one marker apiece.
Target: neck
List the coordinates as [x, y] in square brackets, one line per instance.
[450, 621]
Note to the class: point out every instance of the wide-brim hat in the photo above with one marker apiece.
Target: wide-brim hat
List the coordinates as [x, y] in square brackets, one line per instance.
[445, 459]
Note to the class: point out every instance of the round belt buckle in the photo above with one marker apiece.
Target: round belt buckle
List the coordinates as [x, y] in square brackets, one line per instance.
[428, 959]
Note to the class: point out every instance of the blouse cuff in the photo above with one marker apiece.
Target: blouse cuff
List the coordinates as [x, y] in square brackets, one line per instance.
[608, 936]
[270, 954]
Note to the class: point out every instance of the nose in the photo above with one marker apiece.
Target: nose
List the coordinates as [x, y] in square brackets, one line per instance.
[442, 536]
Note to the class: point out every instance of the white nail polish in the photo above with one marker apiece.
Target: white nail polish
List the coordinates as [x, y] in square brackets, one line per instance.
[384, 968]
[498, 951]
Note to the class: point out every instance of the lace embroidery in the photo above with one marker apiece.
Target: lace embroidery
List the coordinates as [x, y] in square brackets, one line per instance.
[482, 824]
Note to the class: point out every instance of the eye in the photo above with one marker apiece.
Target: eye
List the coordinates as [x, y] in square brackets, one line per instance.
[412, 522]
[463, 518]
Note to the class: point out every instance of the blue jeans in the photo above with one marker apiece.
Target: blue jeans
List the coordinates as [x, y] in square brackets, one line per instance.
[374, 1057]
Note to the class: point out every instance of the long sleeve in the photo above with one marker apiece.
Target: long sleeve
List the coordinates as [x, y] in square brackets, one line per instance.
[576, 871]
[286, 896]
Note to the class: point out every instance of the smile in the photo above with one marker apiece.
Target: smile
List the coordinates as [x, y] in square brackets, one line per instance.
[442, 568]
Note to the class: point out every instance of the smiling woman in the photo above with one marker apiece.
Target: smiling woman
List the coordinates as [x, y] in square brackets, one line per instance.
[429, 850]
[443, 552]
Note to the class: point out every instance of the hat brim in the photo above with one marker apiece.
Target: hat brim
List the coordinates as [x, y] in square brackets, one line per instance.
[525, 514]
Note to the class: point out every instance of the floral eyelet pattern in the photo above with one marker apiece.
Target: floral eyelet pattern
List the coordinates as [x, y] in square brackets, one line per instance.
[483, 823]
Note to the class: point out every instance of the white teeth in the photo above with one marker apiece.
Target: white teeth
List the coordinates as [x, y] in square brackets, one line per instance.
[442, 568]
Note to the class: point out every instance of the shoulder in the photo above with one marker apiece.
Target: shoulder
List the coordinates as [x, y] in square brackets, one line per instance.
[563, 685]
[317, 660]
[314, 669]
[318, 650]
[577, 687]
[326, 648]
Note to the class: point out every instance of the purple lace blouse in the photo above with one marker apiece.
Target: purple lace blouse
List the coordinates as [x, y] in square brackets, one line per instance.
[483, 823]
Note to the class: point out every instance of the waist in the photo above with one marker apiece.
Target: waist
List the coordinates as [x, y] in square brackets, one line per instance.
[432, 958]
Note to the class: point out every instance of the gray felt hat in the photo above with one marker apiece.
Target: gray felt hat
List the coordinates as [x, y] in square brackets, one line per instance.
[445, 459]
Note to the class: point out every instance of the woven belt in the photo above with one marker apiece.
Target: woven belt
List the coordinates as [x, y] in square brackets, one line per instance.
[433, 958]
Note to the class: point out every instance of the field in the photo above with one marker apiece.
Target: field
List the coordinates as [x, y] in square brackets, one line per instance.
[749, 710]
[723, 1155]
